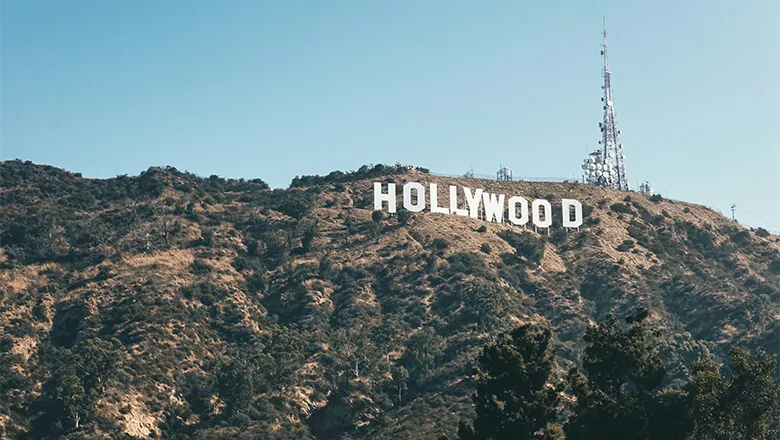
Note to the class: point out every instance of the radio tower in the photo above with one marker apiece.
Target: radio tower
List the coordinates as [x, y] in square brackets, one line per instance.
[605, 166]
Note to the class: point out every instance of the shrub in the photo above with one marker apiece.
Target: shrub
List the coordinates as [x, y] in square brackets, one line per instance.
[295, 203]
[761, 232]
[558, 237]
[440, 244]
[621, 208]
[256, 282]
[206, 237]
[525, 245]
[404, 215]
[741, 237]
[277, 249]
[199, 267]
[774, 266]
[309, 234]
[484, 247]
[592, 221]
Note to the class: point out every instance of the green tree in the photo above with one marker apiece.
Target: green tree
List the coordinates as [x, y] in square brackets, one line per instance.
[374, 229]
[618, 397]
[403, 216]
[95, 361]
[293, 202]
[614, 357]
[386, 336]
[422, 354]
[235, 385]
[515, 396]
[399, 384]
[750, 400]
[277, 248]
[275, 360]
[355, 349]
[309, 234]
[704, 391]
[71, 399]
[525, 244]
[745, 405]
[174, 426]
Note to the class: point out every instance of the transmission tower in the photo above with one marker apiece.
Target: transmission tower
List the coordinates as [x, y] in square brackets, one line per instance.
[605, 166]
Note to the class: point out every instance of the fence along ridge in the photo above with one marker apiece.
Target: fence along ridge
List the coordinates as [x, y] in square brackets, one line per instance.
[516, 179]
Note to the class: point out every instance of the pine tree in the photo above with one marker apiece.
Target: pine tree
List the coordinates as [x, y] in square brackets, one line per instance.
[236, 386]
[751, 395]
[515, 398]
[704, 391]
[617, 397]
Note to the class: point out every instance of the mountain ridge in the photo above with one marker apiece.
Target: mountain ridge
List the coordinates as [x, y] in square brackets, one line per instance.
[328, 300]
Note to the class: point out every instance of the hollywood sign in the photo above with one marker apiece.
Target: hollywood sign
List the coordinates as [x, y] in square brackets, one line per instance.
[481, 204]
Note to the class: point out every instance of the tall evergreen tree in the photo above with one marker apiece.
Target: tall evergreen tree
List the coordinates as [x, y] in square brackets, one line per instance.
[618, 398]
[235, 385]
[515, 398]
[745, 405]
[704, 390]
[751, 395]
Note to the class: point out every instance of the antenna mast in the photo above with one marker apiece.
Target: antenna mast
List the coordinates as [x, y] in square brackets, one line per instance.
[605, 166]
[610, 135]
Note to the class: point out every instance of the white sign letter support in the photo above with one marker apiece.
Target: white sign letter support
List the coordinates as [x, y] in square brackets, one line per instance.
[513, 201]
[566, 204]
[454, 202]
[473, 201]
[547, 213]
[435, 201]
[388, 197]
[420, 205]
[494, 207]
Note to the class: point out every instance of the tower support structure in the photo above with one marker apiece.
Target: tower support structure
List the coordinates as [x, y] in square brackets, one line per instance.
[606, 165]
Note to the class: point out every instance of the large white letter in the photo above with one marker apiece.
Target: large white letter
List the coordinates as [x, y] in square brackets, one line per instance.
[420, 205]
[454, 202]
[494, 207]
[380, 197]
[513, 201]
[435, 201]
[473, 202]
[567, 221]
[547, 213]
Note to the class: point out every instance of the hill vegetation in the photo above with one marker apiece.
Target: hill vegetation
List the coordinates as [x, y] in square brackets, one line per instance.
[172, 306]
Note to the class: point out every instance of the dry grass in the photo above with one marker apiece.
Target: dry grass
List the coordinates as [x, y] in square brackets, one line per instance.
[173, 260]
[551, 261]
[138, 422]
[25, 347]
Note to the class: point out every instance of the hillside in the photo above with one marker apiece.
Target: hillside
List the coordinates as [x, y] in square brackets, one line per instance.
[323, 321]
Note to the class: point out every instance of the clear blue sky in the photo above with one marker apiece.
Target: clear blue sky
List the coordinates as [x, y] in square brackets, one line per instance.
[273, 89]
